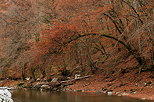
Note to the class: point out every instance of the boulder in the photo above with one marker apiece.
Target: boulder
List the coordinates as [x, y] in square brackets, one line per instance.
[45, 87]
[109, 93]
[5, 96]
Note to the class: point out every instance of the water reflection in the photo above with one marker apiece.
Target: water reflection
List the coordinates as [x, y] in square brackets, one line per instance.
[42, 96]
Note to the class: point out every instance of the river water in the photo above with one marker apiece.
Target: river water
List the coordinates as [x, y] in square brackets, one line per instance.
[38, 96]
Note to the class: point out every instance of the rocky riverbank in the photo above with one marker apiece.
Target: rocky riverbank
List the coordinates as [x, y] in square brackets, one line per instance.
[132, 85]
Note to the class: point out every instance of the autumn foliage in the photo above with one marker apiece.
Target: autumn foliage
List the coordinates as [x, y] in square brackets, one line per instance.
[87, 35]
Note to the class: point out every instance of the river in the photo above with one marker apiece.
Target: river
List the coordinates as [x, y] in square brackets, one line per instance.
[46, 96]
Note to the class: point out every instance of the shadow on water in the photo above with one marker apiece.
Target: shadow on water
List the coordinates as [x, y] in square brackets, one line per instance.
[43, 96]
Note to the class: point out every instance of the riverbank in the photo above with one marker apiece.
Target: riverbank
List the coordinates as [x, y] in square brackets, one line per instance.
[130, 84]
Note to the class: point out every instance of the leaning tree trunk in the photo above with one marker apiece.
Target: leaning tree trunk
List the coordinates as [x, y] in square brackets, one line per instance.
[140, 59]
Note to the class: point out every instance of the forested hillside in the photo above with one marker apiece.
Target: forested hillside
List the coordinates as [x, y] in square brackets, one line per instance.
[40, 38]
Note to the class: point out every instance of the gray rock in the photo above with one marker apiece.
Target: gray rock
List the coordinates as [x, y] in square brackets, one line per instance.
[45, 87]
[27, 79]
[109, 93]
[5, 96]
[77, 76]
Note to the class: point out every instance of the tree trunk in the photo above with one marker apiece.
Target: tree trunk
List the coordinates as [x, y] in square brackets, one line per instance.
[42, 70]
[32, 70]
[23, 67]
